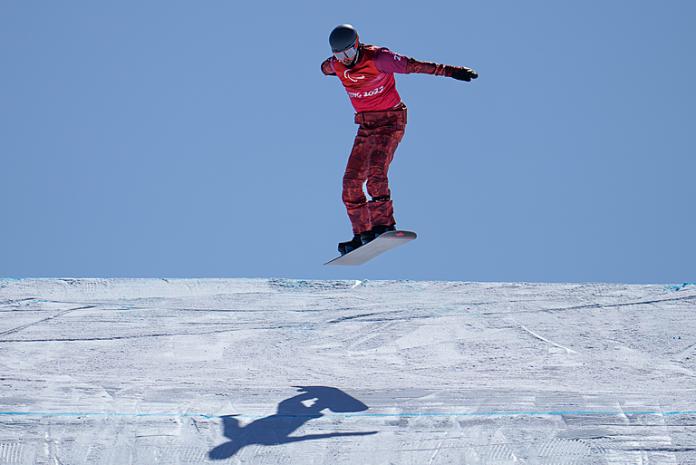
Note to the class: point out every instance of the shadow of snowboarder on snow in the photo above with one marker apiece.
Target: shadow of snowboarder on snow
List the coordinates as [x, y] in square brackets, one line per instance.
[292, 414]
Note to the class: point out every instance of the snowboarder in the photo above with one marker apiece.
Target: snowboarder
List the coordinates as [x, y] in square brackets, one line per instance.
[367, 73]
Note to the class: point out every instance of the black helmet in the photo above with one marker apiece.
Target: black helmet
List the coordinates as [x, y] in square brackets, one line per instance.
[343, 37]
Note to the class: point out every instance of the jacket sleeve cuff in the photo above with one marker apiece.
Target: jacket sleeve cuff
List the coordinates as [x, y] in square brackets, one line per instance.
[426, 67]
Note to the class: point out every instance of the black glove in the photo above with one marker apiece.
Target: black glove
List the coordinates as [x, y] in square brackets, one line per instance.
[464, 74]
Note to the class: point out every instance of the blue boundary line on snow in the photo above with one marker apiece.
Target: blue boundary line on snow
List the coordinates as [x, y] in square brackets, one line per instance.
[368, 415]
[105, 414]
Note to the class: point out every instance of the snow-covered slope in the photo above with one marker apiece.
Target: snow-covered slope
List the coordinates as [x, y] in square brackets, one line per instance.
[117, 372]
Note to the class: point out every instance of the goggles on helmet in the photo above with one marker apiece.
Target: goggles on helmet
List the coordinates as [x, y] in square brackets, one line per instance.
[347, 55]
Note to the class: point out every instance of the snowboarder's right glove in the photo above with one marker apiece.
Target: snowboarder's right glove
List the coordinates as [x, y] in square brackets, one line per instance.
[462, 73]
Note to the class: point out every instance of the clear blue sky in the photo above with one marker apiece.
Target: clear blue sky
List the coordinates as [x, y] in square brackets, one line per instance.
[182, 139]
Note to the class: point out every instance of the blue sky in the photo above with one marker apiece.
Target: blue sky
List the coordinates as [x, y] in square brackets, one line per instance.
[197, 139]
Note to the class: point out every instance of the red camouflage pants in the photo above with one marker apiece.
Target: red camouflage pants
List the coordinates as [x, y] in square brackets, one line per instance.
[373, 150]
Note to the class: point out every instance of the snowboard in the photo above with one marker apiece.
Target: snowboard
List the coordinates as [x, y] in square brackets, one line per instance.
[382, 243]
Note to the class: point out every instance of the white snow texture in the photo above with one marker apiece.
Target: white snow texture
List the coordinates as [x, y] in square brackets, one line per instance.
[276, 371]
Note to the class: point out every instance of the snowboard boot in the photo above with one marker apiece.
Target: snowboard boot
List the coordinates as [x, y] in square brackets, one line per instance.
[380, 229]
[363, 238]
[349, 246]
[372, 234]
[366, 237]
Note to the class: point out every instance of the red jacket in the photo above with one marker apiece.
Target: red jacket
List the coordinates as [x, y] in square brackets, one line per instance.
[370, 81]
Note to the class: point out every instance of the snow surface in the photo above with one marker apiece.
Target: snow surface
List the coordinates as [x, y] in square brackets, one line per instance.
[275, 371]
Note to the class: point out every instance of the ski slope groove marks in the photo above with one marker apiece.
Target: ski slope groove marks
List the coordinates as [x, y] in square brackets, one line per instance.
[43, 320]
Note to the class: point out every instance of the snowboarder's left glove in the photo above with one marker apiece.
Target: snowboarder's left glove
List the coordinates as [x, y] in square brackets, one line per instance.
[462, 73]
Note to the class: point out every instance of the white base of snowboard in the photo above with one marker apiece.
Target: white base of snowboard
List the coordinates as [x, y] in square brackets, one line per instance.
[384, 242]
